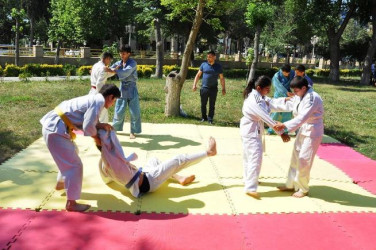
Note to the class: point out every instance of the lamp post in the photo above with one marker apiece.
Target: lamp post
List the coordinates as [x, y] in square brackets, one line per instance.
[129, 29]
[314, 41]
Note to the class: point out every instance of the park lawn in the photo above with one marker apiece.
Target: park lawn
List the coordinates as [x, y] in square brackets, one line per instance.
[350, 109]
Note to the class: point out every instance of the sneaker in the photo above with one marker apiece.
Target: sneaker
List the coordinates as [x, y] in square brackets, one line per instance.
[211, 122]
[202, 120]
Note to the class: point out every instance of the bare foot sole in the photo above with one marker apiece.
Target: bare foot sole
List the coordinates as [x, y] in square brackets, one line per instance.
[185, 180]
[285, 189]
[253, 195]
[212, 150]
[299, 194]
[132, 136]
[76, 207]
[59, 186]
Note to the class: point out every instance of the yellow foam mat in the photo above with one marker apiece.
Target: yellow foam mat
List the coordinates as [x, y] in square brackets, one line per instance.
[21, 189]
[271, 201]
[28, 179]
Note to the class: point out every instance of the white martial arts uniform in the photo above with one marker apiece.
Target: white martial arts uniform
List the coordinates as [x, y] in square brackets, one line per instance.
[255, 112]
[83, 112]
[308, 114]
[115, 166]
[98, 78]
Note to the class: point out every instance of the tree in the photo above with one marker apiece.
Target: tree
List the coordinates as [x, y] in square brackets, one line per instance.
[173, 105]
[257, 15]
[18, 16]
[366, 74]
[36, 10]
[332, 17]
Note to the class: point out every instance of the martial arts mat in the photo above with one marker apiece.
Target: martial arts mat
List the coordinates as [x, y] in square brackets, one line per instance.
[211, 213]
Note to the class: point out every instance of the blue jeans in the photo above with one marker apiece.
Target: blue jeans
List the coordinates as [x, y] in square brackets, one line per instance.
[134, 110]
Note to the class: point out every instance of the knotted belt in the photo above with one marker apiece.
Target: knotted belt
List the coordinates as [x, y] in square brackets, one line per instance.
[134, 178]
[67, 122]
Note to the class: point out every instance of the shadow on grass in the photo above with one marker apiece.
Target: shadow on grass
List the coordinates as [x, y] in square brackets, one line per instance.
[156, 142]
[346, 137]
[9, 144]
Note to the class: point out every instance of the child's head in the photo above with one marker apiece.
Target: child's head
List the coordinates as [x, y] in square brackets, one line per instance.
[286, 68]
[299, 85]
[262, 85]
[300, 70]
[125, 52]
[110, 93]
[107, 57]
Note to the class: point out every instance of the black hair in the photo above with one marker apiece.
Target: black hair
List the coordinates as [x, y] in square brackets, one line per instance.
[110, 89]
[286, 68]
[262, 82]
[300, 68]
[107, 55]
[298, 82]
[125, 48]
[211, 53]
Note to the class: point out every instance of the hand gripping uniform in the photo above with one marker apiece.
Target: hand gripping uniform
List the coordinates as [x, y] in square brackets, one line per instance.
[82, 113]
[255, 113]
[114, 166]
[308, 114]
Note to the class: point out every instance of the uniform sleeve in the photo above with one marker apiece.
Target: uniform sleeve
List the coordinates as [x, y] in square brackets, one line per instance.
[280, 105]
[102, 77]
[279, 89]
[91, 117]
[265, 117]
[304, 113]
[123, 73]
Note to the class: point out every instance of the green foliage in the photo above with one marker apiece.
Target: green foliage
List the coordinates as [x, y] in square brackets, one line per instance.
[144, 71]
[250, 56]
[11, 70]
[84, 70]
[259, 13]
[114, 49]
[1, 71]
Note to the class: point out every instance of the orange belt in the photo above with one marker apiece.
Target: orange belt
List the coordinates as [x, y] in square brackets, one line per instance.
[67, 122]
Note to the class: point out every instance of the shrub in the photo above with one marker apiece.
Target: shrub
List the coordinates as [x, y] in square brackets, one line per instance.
[84, 70]
[69, 70]
[11, 70]
[1, 71]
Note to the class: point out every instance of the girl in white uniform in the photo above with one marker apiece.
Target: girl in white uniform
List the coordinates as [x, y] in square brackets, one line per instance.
[57, 129]
[308, 111]
[255, 112]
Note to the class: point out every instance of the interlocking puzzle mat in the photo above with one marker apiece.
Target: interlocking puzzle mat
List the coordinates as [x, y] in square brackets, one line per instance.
[212, 212]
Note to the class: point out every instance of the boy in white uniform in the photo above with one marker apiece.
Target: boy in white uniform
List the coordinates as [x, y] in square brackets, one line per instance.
[57, 129]
[308, 111]
[116, 167]
[255, 112]
[98, 77]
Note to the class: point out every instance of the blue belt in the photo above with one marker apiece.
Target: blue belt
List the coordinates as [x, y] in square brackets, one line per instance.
[134, 178]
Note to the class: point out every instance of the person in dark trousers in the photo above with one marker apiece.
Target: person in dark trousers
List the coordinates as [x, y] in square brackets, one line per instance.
[210, 72]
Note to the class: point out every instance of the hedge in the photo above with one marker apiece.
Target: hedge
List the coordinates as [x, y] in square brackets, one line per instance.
[145, 71]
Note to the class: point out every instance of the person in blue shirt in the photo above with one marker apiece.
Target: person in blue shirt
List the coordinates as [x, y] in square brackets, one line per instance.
[300, 71]
[373, 74]
[281, 84]
[126, 70]
[210, 72]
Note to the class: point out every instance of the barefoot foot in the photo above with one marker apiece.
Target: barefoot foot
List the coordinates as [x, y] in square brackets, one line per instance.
[253, 195]
[284, 188]
[185, 180]
[132, 136]
[212, 149]
[299, 194]
[73, 206]
[59, 186]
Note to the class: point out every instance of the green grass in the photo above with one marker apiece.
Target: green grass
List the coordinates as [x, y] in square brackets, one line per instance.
[349, 109]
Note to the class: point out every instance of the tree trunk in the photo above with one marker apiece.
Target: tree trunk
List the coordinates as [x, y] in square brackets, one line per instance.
[172, 90]
[31, 42]
[256, 43]
[159, 49]
[57, 52]
[17, 44]
[334, 58]
[174, 107]
[334, 48]
[366, 74]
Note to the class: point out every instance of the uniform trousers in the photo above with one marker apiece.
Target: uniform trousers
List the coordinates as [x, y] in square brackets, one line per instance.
[304, 152]
[252, 160]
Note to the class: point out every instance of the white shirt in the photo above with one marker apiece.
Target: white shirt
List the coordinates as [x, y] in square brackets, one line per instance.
[98, 76]
[308, 113]
[82, 111]
[255, 112]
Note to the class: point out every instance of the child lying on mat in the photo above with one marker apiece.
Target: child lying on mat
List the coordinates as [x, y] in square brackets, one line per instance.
[114, 166]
